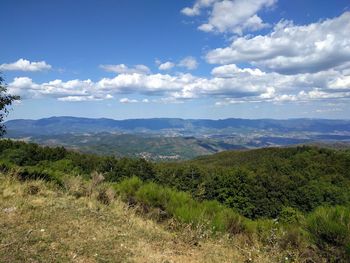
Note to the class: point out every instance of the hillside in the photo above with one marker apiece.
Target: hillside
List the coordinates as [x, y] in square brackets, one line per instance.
[132, 145]
[276, 203]
[40, 223]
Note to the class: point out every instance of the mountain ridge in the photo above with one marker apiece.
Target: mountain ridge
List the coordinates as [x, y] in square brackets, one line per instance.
[69, 124]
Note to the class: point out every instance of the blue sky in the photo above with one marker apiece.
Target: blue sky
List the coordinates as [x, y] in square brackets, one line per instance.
[188, 59]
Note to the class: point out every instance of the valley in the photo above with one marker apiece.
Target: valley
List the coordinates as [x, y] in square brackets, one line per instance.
[177, 139]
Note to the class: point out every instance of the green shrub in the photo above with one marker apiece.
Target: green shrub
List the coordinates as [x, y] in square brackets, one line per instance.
[5, 166]
[189, 213]
[228, 220]
[128, 187]
[154, 195]
[181, 206]
[268, 231]
[293, 237]
[330, 229]
[34, 173]
[290, 215]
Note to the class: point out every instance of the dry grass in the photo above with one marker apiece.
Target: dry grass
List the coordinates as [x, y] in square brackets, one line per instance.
[40, 223]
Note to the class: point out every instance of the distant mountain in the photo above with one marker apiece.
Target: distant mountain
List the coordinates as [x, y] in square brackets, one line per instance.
[177, 139]
[60, 125]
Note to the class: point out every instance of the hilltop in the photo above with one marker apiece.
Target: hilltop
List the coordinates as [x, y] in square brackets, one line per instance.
[270, 205]
[40, 223]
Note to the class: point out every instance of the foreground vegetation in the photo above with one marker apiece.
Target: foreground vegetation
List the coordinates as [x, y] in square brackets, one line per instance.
[42, 223]
[287, 204]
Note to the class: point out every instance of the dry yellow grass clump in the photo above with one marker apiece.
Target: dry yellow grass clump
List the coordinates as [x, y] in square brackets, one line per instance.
[41, 223]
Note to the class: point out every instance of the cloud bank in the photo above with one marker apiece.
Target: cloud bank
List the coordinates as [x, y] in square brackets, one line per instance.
[291, 49]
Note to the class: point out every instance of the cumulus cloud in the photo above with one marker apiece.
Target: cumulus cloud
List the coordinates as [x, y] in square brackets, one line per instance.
[232, 16]
[292, 49]
[25, 65]
[196, 9]
[231, 70]
[228, 82]
[166, 65]
[124, 69]
[188, 62]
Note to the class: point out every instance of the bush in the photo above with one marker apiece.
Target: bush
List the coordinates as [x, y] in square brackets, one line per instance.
[290, 215]
[330, 229]
[34, 173]
[228, 220]
[105, 195]
[293, 237]
[128, 187]
[5, 166]
[76, 186]
[154, 195]
[32, 189]
[181, 206]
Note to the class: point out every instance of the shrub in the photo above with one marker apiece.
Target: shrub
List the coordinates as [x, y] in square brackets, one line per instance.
[75, 185]
[268, 231]
[232, 221]
[293, 237]
[96, 179]
[154, 195]
[330, 229]
[5, 166]
[290, 215]
[181, 206]
[105, 195]
[34, 173]
[128, 187]
[32, 189]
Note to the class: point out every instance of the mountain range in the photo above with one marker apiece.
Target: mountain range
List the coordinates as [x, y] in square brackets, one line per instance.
[66, 124]
[176, 139]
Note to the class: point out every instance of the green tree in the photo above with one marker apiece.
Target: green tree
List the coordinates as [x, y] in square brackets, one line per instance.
[5, 101]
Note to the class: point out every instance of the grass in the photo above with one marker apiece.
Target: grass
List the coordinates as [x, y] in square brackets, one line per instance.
[182, 206]
[41, 222]
[330, 229]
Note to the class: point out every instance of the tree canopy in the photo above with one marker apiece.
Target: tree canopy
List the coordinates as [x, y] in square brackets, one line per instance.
[5, 101]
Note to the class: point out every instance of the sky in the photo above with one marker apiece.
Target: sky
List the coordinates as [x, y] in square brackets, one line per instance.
[212, 59]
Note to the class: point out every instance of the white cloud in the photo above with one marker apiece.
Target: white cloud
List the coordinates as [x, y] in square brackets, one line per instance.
[82, 98]
[343, 82]
[25, 65]
[227, 82]
[233, 16]
[123, 69]
[188, 62]
[196, 9]
[166, 65]
[127, 100]
[232, 70]
[291, 49]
